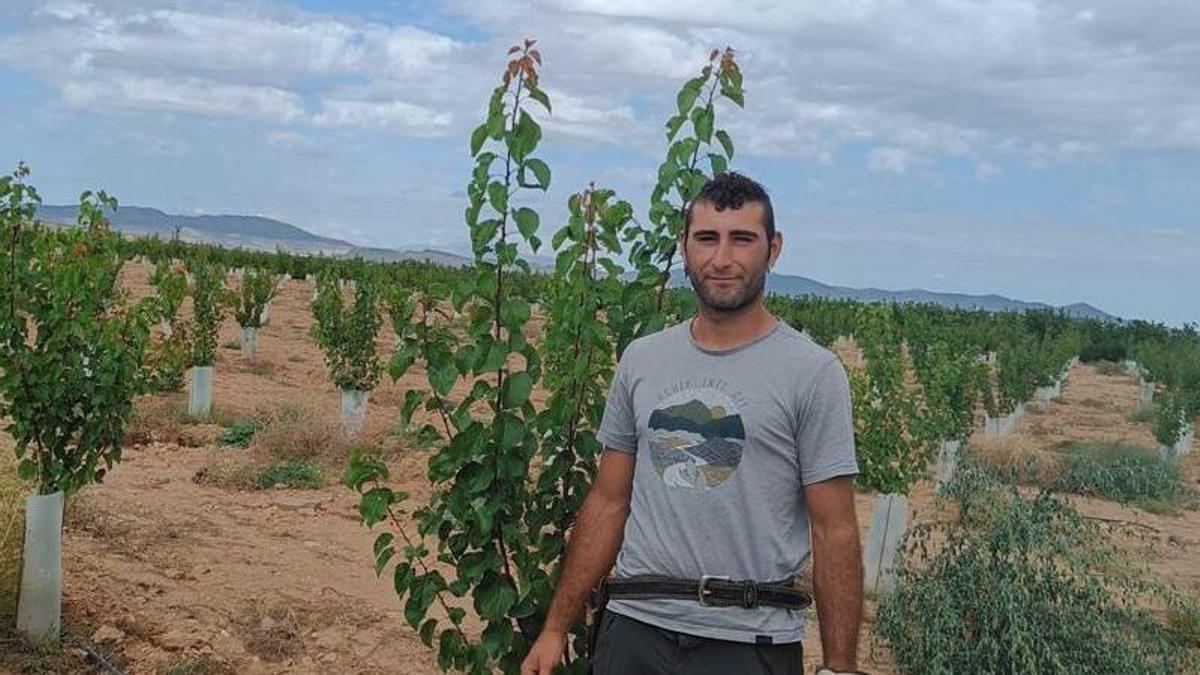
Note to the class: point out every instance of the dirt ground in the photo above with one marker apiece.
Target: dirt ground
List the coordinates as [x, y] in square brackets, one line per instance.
[175, 576]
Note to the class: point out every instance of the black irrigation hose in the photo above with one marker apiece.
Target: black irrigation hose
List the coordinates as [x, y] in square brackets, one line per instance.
[87, 647]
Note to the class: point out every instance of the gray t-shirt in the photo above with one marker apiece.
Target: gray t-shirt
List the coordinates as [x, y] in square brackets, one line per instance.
[724, 442]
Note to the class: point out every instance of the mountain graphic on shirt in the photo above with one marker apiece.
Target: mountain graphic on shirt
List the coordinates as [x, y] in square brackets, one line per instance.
[696, 439]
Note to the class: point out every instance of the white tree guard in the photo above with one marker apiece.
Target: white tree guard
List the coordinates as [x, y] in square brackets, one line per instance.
[249, 343]
[353, 412]
[883, 543]
[200, 394]
[947, 462]
[39, 609]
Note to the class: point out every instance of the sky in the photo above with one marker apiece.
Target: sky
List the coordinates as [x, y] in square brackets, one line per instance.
[1046, 151]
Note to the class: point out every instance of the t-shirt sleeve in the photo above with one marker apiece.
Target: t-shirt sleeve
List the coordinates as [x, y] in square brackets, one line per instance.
[618, 427]
[825, 431]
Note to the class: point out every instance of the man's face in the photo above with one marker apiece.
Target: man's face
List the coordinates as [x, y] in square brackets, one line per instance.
[727, 255]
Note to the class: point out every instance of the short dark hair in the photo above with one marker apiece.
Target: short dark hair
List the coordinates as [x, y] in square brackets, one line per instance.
[730, 190]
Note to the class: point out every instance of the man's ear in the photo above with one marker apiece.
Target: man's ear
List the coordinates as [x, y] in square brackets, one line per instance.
[775, 250]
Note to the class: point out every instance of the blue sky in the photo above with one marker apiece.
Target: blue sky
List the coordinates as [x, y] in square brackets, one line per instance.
[1041, 150]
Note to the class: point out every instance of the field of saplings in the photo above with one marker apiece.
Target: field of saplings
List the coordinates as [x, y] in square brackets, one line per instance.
[226, 461]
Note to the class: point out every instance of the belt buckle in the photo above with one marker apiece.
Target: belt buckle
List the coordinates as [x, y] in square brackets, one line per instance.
[704, 579]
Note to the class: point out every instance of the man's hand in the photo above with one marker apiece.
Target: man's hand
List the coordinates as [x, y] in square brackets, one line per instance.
[546, 653]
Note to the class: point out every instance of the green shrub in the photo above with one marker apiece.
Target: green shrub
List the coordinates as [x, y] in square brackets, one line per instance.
[258, 289]
[167, 359]
[240, 433]
[347, 334]
[1120, 472]
[296, 474]
[209, 301]
[1023, 585]
[71, 346]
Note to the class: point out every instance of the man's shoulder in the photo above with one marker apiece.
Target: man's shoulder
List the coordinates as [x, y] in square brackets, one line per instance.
[798, 350]
[667, 338]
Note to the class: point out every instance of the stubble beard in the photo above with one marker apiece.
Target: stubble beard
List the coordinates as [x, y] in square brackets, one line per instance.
[732, 300]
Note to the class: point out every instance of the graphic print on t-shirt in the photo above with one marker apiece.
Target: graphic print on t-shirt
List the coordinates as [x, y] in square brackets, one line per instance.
[696, 438]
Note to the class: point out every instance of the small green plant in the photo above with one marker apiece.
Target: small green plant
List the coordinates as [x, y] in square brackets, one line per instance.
[1022, 584]
[210, 299]
[259, 287]
[297, 474]
[240, 433]
[1171, 422]
[347, 334]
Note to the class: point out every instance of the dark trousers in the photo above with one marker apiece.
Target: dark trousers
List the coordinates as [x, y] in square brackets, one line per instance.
[626, 646]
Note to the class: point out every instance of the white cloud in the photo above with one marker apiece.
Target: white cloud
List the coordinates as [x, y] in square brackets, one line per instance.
[189, 95]
[397, 116]
[985, 171]
[888, 160]
[992, 81]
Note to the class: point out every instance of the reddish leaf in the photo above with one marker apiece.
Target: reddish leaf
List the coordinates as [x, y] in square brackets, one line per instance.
[537, 56]
[713, 55]
[514, 49]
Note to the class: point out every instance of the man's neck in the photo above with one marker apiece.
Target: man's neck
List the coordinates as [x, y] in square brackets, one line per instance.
[726, 330]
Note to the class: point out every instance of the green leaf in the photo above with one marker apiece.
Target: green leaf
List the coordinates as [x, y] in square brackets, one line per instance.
[517, 389]
[540, 96]
[559, 237]
[514, 312]
[402, 360]
[512, 431]
[540, 171]
[494, 357]
[688, 94]
[524, 136]
[27, 469]
[477, 138]
[442, 377]
[427, 630]
[383, 541]
[382, 558]
[494, 597]
[374, 505]
[527, 221]
[498, 196]
[702, 118]
[719, 165]
[673, 126]
[402, 578]
[412, 399]
[726, 142]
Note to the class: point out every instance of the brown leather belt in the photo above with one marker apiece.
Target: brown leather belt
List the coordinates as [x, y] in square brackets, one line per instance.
[709, 591]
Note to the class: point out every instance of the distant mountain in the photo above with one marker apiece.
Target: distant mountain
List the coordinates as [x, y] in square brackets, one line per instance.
[786, 284]
[250, 232]
[428, 255]
[266, 234]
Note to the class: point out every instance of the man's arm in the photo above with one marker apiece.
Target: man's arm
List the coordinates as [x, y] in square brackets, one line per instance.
[837, 569]
[595, 540]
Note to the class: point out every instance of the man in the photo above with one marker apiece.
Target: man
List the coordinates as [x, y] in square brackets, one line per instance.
[729, 443]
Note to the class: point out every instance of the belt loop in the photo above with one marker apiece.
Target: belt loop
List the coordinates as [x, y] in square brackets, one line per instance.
[749, 594]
